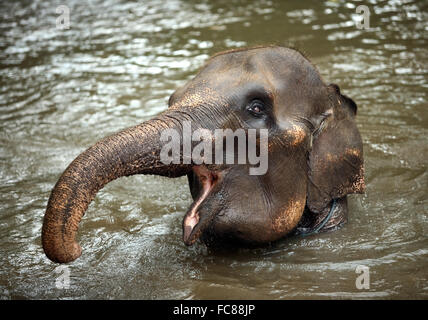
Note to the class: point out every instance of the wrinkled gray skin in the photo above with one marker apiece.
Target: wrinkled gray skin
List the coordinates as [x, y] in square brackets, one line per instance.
[315, 155]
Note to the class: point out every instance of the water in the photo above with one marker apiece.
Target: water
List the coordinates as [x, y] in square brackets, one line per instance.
[62, 90]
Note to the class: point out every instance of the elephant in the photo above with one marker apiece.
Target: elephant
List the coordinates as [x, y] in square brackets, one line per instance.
[314, 148]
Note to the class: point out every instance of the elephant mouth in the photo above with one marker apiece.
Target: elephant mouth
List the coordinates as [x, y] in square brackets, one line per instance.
[199, 215]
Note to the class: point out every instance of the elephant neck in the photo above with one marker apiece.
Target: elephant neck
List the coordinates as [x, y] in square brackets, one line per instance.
[331, 218]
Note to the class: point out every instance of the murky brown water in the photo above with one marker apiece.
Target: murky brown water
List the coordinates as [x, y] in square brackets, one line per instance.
[62, 90]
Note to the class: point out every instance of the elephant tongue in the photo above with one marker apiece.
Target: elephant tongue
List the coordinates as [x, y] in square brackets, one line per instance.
[193, 224]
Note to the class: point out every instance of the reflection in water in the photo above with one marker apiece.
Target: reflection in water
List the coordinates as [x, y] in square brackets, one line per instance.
[62, 90]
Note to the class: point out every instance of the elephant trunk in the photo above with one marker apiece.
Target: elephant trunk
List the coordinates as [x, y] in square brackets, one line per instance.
[133, 151]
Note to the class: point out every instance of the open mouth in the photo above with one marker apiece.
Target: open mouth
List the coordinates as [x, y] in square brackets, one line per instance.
[194, 222]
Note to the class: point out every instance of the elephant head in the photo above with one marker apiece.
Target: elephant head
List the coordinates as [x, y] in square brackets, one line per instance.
[315, 155]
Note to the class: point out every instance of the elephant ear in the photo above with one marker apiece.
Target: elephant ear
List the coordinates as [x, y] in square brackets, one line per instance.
[336, 165]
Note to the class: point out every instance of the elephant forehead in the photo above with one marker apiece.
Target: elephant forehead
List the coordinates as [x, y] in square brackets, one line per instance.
[251, 59]
[287, 77]
[271, 62]
[197, 95]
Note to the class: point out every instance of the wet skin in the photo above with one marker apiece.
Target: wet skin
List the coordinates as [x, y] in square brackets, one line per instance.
[315, 155]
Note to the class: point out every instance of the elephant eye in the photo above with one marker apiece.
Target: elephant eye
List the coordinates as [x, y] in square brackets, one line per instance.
[256, 108]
